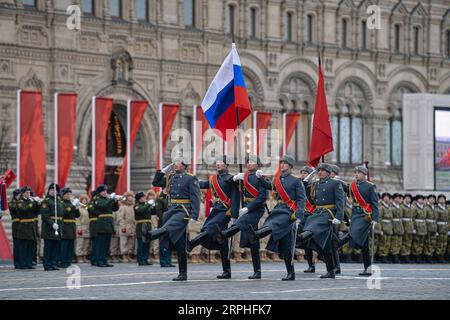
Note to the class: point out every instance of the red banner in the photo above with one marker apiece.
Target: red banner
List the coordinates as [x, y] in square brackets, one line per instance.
[31, 143]
[168, 113]
[262, 122]
[5, 247]
[322, 136]
[199, 116]
[291, 126]
[66, 111]
[102, 114]
[136, 113]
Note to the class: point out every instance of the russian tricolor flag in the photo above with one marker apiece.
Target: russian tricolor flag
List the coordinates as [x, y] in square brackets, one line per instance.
[227, 98]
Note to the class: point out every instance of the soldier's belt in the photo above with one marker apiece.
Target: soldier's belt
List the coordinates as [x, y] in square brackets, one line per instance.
[249, 199]
[431, 220]
[56, 218]
[93, 219]
[109, 215]
[442, 223]
[35, 219]
[407, 219]
[326, 207]
[180, 201]
[420, 220]
[386, 221]
[143, 221]
[397, 220]
[70, 221]
[26, 220]
[15, 220]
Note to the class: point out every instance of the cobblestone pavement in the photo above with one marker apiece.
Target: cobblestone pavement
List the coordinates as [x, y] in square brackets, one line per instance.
[128, 281]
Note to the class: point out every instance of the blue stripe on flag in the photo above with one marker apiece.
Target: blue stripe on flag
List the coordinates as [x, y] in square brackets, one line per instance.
[224, 99]
[238, 76]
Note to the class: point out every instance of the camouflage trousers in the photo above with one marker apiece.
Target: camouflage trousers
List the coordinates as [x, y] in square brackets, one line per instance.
[345, 249]
[376, 243]
[407, 240]
[396, 244]
[429, 245]
[441, 244]
[417, 245]
[384, 245]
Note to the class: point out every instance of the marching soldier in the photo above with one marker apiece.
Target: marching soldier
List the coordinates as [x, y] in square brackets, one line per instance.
[420, 228]
[329, 199]
[430, 239]
[226, 206]
[282, 223]
[126, 226]
[143, 211]
[183, 205]
[71, 213]
[397, 228]
[255, 196]
[442, 227]
[93, 218]
[52, 211]
[408, 226]
[385, 220]
[12, 206]
[364, 215]
[105, 206]
[83, 237]
[344, 229]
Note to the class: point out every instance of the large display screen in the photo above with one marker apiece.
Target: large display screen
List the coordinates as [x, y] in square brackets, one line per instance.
[442, 148]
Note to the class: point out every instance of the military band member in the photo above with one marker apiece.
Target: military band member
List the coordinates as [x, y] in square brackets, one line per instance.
[329, 200]
[420, 228]
[105, 205]
[397, 228]
[12, 206]
[283, 221]
[93, 218]
[442, 227]
[430, 239]
[385, 222]
[143, 211]
[184, 204]
[408, 226]
[226, 207]
[52, 227]
[83, 236]
[364, 215]
[71, 213]
[255, 196]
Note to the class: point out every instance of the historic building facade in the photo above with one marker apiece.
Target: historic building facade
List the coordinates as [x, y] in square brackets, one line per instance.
[169, 51]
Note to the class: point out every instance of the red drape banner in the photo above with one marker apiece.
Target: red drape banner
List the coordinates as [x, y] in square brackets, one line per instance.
[103, 109]
[262, 122]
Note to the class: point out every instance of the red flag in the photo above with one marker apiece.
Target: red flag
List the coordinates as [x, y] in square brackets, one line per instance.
[8, 177]
[199, 119]
[5, 247]
[261, 123]
[322, 136]
[136, 113]
[66, 108]
[31, 143]
[167, 115]
[101, 115]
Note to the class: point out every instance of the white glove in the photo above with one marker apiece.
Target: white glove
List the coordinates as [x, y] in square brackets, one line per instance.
[232, 220]
[414, 231]
[191, 220]
[381, 233]
[151, 202]
[239, 176]
[37, 199]
[55, 226]
[297, 222]
[336, 221]
[167, 168]
[259, 173]
[243, 211]
[76, 202]
[113, 195]
[437, 234]
[374, 222]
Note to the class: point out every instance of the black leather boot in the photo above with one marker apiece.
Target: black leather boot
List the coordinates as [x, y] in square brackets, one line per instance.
[226, 264]
[311, 265]
[336, 262]
[328, 257]
[222, 236]
[191, 244]
[289, 267]
[157, 233]
[367, 262]
[253, 235]
[256, 260]
[182, 266]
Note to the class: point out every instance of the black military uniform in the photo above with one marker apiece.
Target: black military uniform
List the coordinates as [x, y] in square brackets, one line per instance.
[184, 204]
[52, 227]
[329, 201]
[143, 213]
[282, 222]
[71, 213]
[104, 207]
[226, 206]
[12, 206]
[93, 218]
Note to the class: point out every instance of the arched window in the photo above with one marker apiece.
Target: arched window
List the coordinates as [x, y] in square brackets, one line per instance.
[344, 32]
[309, 28]
[344, 135]
[416, 39]
[363, 35]
[288, 27]
[335, 131]
[252, 21]
[397, 35]
[231, 19]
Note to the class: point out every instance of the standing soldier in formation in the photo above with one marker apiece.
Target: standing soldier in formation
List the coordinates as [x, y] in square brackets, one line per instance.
[442, 227]
[329, 201]
[226, 206]
[408, 225]
[93, 218]
[420, 228]
[255, 196]
[364, 215]
[161, 206]
[282, 223]
[183, 205]
[12, 206]
[126, 226]
[83, 237]
[143, 211]
[397, 228]
[105, 206]
[430, 239]
[385, 220]
[71, 213]
[52, 211]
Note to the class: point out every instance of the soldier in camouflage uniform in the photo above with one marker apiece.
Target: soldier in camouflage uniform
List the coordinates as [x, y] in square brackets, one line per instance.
[397, 226]
[430, 240]
[448, 233]
[442, 227]
[420, 228]
[386, 228]
[408, 226]
[83, 237]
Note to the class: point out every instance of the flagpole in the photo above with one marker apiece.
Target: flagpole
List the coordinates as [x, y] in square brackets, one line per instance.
[128, 168]
[93, 144]
[194, 154]
[161, 156]
[284, 133]
[19, 92]
[255, 132]
[55, 103]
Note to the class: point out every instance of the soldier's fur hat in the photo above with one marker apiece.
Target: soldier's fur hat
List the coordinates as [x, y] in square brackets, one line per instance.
[54, 186]
[253, 158]
[307, 169]
[222, 158]
[361, 169]
[325, 166]
[288, 159]
[66, 190]
[335, 169]
[101, 188]
[138, 196]
[16, 192]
